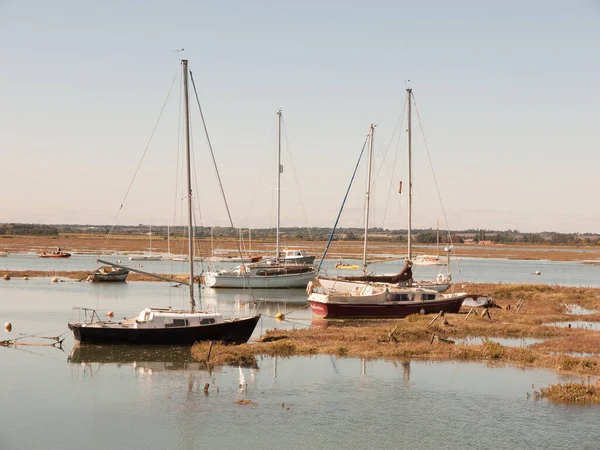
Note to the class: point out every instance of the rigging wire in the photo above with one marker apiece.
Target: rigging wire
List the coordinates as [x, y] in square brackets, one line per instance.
[436, 185]
[212, 155]
[260, 175]
[400, 120]
[343, 203]
[141, 160]
[289, 149]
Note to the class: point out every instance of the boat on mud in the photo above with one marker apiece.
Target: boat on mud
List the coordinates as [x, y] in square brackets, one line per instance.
[108, 274]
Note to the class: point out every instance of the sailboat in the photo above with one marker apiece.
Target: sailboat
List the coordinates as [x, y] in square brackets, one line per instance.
[431, 260]
[272, 273]
[165, 326]
[396, 295]
[147, 256]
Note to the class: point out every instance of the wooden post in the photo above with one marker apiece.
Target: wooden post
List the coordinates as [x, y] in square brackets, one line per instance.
[391, 335]
[209, 351]
[434, 319]
[206, 385]
[468, 314]
[487, 313]
[520, 304]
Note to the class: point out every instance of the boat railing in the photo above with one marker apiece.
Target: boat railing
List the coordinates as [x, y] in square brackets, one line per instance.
[84, 315]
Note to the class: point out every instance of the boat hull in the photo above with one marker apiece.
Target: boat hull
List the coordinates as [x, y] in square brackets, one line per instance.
[234, 331]
[146, 258]
[107, 278]
[299, 260]
[55, 255]
[328, 310]
[296, 280]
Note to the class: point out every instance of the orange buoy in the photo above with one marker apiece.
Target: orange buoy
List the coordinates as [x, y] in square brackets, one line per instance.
[279, 316]
[26, 278]
[110, 314]
[54, 280]
[6, 276]
[8, 327]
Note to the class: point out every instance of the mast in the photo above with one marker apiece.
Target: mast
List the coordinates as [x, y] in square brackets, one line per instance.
[279, 170]
[368, 197]
[437, 239]
[189, 181]
[409, 226]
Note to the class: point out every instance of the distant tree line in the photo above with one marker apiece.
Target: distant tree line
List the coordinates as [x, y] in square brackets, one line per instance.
[421, 236]
[28, 229]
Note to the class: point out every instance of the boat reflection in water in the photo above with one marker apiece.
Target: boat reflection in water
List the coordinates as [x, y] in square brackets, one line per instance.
[143, 359]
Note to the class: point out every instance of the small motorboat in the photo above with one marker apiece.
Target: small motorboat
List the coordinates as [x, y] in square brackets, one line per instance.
[108, 274]
[55, 255]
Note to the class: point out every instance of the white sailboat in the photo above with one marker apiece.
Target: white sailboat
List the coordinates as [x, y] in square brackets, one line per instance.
[147, 256]
[431, 260]
[268, 274]
[165, 326]
[395, 295]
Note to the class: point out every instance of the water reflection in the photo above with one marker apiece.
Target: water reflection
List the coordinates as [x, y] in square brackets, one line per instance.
[576, 324]
[577, 310]
[521, 342]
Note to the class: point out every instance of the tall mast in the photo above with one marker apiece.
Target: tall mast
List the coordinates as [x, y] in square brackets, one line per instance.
[409, 226]
[368, 197]
[189, 181]
[437, 239]
[279, 170]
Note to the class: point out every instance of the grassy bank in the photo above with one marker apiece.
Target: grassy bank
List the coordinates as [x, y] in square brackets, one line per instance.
[418, 337]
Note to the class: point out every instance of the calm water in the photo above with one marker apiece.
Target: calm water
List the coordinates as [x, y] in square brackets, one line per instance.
[98, 398]
[465, 270]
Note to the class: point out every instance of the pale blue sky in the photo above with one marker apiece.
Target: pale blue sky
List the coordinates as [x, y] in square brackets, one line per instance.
[507, 91]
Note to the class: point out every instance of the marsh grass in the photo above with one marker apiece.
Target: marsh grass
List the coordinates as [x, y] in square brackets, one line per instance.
[571, 393]
[412, 338]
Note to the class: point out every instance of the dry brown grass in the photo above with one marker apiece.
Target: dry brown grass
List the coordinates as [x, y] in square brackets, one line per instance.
[412, 337]
[571, 393]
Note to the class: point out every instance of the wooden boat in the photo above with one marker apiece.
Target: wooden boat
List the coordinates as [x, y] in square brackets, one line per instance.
[55, 255]
[108, 274]
[156, 326]
[274, 273]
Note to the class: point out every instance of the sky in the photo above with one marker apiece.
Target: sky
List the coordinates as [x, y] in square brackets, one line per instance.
[507, 97]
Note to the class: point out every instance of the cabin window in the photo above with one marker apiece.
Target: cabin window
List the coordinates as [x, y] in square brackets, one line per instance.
[176, 323]
[428, 296]
[207, 321]
[397, 297]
